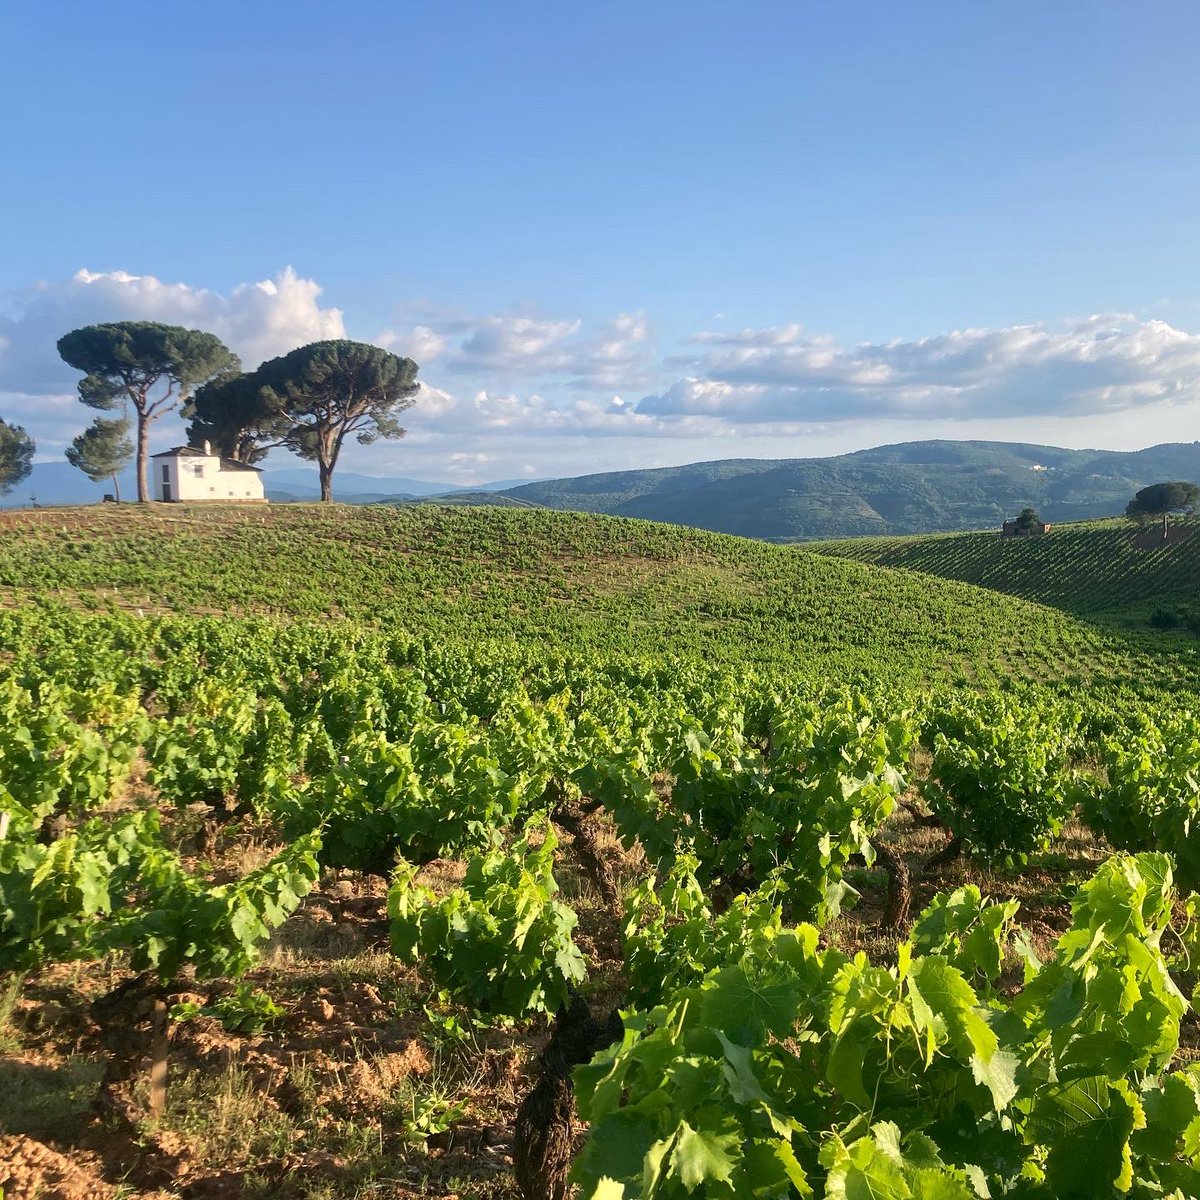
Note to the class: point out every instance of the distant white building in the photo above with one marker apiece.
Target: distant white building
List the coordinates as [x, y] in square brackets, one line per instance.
[185, 473]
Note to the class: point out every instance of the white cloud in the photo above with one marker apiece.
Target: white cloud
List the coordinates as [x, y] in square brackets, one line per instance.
[422, 343]
[257, 320]
[265, 319]
[507, 395]
[515, 343]
[786, 374]
[547, 453]
[470, 468]
[618, 352]
[502, 413]
[52, 421]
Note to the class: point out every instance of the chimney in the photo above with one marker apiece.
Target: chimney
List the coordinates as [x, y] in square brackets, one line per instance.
[207, 450]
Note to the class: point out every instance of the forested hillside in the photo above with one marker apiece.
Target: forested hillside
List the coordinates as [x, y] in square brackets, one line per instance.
[915, 487]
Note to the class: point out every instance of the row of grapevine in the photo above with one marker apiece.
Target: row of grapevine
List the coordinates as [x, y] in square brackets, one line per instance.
[568, 581]
[1084, 567]
[785, 1070]
[756, 1059]
[389, 747]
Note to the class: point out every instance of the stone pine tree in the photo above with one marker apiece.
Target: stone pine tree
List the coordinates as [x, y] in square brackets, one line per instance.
[327, 391]
[1028, 521]
[1161, 500]
[16, 456]
[238, 418]
[103, 450]
[153, 368]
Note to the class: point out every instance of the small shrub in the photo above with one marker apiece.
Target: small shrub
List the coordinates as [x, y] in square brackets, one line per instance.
[1165, 618]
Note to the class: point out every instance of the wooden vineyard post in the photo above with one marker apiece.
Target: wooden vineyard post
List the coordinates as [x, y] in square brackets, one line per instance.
[158, 1057]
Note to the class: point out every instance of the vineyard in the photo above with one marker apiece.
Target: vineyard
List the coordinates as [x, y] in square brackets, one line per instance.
[498, 854]
[564, 580]
[1091, 568]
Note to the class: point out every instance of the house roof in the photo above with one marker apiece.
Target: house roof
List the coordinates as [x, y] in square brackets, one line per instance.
[227, 464]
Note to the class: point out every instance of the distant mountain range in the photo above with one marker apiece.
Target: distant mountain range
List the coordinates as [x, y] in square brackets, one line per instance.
[913, 487]
[60, 483]
[300, 483]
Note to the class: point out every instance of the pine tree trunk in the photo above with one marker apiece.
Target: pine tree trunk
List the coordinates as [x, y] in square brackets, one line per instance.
[326, 471]
[143, 451]
[116, 488]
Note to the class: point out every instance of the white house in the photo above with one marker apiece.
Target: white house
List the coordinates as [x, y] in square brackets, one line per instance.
[185, 473]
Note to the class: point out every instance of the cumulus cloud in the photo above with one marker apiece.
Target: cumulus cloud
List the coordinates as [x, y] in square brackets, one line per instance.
[52, 421]
[1098, 365]
[257, 320]
[422, 343]
[618, 352]
[519, 393]
[500, 413]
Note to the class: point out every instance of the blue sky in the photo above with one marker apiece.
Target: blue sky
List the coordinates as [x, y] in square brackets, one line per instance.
[626, 234]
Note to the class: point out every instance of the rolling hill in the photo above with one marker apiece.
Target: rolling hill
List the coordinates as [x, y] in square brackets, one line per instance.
[565, 580]
[1092, 568]
[913, 487]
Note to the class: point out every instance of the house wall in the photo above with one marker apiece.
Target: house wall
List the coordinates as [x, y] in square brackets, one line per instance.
[201, 478]
[164, 479]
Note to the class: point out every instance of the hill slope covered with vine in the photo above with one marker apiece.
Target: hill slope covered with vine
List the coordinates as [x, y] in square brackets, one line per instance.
[1090, 568]
[570, 580]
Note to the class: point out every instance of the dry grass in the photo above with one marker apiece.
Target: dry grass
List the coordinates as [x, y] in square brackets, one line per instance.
[10, 1040]
[226, 1120]
[1043, 886]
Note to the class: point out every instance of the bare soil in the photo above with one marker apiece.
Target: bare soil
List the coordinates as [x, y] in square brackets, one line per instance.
[355, 1091]
[1151, 538]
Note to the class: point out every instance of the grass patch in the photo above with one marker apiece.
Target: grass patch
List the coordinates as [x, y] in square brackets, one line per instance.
[10, 1035]
[226, 1119]
[47, 1102]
